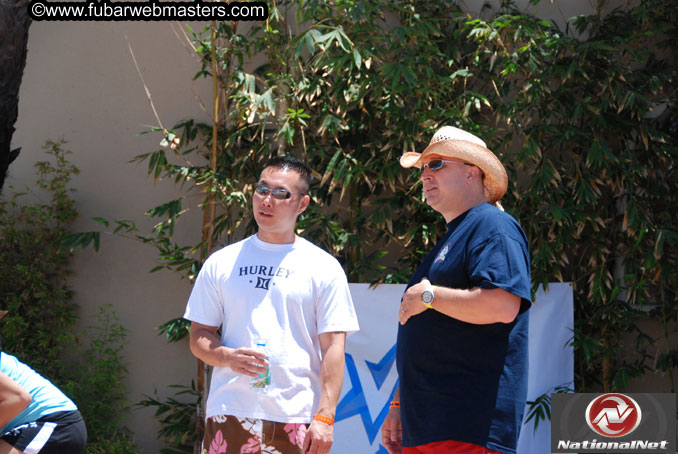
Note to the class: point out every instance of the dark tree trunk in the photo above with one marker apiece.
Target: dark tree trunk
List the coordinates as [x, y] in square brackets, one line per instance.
[14, 23]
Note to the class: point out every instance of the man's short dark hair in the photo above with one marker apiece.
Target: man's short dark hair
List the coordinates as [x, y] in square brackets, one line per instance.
[292, 163]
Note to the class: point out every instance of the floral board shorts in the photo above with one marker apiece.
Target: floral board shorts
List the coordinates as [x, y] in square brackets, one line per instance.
[225, 434]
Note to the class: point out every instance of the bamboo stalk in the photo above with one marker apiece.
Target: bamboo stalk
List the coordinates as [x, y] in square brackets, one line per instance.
[209, 211]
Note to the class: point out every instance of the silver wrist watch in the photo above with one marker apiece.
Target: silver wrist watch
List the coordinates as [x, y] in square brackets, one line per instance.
[427, 297]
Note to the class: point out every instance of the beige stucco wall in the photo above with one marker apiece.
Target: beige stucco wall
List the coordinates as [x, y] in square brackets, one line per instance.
[80, 83]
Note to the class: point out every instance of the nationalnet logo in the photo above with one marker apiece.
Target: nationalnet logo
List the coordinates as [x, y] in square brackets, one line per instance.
[613, 423]
[613, 415]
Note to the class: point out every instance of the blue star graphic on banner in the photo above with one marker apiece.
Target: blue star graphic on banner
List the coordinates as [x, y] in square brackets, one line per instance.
[354, 402]
[380, 370]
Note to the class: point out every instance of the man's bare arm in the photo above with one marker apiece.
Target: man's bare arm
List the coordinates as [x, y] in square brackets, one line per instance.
[206, 345]
[13, 399]
[320, 435]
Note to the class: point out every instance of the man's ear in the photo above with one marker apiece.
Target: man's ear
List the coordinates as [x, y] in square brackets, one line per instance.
[305, 200]
[474, 172]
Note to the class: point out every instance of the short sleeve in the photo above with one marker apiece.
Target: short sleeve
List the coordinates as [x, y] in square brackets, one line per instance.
[204, 305]
[502, 261]
[335, 310]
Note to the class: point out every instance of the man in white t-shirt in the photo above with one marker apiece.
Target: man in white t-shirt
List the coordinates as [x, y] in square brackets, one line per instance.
[276, 289]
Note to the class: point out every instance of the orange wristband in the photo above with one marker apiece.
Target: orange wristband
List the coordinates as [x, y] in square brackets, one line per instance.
[322, 418]
[395, 404]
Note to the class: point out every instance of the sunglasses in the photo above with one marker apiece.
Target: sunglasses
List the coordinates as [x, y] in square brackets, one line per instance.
[280, 194]
[437, 164]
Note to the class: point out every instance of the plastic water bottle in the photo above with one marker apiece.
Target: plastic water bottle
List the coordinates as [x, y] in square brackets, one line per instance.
[263, 380]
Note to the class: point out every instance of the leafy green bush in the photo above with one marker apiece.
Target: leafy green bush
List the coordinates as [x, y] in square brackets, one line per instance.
[34, 270]
[178, 418]
[96, 382]
[112, 445]
[39, 329]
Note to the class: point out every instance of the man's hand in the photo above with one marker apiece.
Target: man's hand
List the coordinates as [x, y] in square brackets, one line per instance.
[206, 344]
[246, 361]
[319, 438]
[392, 432]
[412, 304]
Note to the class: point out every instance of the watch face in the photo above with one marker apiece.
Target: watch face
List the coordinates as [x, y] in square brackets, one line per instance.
[427, 296]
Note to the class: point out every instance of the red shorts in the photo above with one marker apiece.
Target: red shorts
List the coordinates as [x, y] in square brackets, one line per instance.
[449, 447]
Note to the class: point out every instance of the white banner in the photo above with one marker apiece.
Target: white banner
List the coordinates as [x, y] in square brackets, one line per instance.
[371, 379]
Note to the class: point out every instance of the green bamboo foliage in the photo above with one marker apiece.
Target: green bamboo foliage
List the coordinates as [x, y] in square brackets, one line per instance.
[594, 115]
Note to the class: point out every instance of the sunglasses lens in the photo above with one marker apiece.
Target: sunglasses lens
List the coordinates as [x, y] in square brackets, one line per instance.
[435, 164]
[281, 194]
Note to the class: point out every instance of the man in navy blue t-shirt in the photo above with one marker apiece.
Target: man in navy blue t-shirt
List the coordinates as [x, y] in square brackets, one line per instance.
[462, 339]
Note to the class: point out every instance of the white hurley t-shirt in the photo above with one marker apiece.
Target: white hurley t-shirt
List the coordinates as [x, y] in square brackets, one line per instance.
[285, 295]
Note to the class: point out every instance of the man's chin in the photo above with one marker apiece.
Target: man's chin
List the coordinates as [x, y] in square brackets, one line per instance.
[432, 202]
[262, 219]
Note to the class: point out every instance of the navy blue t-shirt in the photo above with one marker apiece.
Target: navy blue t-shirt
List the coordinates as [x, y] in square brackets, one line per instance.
[461, 381]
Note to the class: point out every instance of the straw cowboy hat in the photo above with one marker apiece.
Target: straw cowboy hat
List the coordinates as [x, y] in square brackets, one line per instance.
[452, 142]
